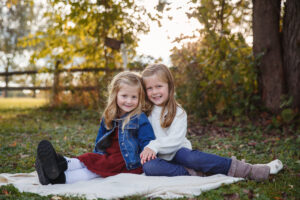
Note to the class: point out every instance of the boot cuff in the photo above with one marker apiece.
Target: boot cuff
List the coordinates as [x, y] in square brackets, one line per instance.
[233, 166]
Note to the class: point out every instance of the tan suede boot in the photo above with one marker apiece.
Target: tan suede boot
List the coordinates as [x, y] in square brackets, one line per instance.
[242, 169]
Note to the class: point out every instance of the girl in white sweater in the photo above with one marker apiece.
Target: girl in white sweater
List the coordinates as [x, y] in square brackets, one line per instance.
[171, 154]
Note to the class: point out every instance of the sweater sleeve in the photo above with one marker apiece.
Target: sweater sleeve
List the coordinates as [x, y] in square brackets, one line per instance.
[176, 136]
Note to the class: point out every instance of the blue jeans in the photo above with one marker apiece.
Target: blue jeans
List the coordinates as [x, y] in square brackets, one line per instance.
[193, 159]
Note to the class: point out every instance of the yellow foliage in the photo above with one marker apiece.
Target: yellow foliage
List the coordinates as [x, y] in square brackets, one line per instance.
[9, 3]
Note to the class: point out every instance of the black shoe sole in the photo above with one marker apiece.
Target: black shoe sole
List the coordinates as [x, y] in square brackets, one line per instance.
[48, 159]
[42, 177]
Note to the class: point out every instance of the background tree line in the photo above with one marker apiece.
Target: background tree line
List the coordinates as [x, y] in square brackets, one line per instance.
[219, 74]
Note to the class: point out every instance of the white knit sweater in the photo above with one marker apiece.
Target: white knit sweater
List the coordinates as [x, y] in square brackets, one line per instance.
[169, 140]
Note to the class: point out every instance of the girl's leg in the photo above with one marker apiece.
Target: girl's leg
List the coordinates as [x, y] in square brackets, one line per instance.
[49, 164]
[160, 167]
[203, 162]
[210, 163]
[82, 174]
[74, 163]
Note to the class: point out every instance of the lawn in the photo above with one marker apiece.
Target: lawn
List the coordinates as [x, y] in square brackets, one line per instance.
[73, 132]
[6, 103]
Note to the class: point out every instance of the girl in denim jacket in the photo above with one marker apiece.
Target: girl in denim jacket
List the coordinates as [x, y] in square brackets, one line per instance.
[123, 134]
[173, 150]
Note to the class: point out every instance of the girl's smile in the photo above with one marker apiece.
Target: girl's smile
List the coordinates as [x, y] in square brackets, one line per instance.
[157, 90]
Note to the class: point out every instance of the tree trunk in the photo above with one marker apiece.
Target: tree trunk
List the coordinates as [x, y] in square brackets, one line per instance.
[266, 40]
[291, 49]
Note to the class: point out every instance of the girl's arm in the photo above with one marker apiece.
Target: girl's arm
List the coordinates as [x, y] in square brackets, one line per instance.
[100, 134]
[174, 138]
[145, 135]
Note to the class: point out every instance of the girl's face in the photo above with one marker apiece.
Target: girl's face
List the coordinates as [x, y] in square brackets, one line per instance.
[127, 98]
[157, 90]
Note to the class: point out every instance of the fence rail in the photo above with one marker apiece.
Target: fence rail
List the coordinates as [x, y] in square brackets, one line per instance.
[55, 87]
[59, 70]
[49, 88]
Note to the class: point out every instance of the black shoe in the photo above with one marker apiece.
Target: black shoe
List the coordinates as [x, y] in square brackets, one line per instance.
[61, 179]
[42, 177]
[48, 159]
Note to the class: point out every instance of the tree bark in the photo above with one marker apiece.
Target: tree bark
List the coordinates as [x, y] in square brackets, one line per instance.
[266, 40]
[291, 49]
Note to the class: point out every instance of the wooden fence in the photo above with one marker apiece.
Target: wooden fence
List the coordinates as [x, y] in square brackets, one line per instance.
[55, 87]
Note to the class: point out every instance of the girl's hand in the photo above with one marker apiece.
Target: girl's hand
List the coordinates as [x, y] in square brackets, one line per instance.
[147, 154]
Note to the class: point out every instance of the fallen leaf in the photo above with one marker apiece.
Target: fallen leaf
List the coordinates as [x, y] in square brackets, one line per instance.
[13, 144]
[277, 198]
[252, 143]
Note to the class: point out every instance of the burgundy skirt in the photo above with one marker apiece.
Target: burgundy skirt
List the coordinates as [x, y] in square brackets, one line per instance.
[108, 164]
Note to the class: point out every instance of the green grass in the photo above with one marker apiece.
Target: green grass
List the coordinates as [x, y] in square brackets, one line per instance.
[73, 132]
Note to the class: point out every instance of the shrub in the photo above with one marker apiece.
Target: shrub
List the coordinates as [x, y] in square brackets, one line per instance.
[215, 75]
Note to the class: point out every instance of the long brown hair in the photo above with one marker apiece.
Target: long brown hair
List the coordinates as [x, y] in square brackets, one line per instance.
[164, 74]
[112, 110]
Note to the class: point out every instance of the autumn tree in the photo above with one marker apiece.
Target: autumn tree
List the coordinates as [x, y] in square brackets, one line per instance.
[77, 34]
[278, 48]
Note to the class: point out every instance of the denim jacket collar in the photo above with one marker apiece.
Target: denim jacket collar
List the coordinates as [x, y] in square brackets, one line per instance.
[118, 120]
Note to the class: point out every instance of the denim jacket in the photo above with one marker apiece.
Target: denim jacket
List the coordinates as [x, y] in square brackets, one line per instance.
[136, 135]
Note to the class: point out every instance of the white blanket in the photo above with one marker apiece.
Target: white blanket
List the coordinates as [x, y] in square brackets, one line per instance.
[121, 185]
[124, 185]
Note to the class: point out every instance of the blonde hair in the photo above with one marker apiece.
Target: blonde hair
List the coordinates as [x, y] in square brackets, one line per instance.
[112, 110]
[164, 74]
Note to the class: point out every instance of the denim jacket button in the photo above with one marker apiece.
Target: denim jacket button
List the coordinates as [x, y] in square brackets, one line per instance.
[123, 143]
[126, 155]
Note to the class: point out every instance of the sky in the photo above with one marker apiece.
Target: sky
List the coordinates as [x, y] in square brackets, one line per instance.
[159, 41]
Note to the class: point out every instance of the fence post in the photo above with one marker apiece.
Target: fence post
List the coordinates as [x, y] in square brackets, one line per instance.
[6, 83]
[34, 82]
[55, 89]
